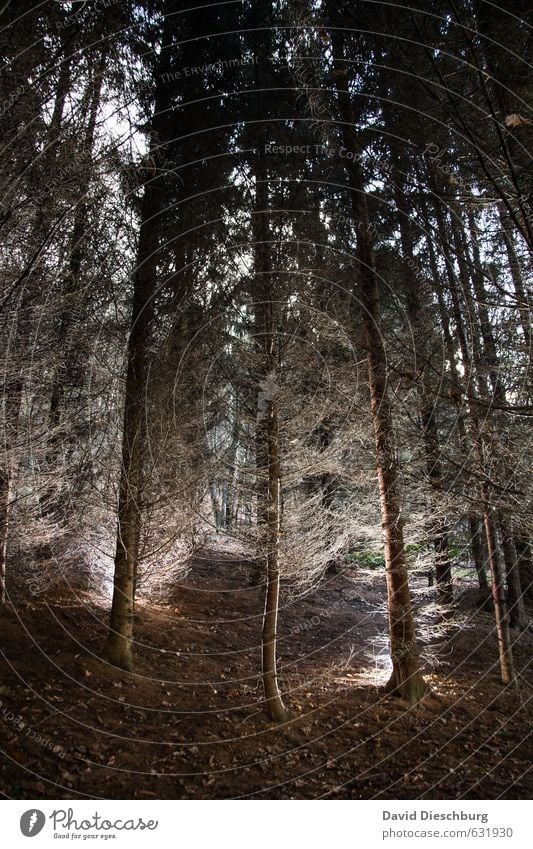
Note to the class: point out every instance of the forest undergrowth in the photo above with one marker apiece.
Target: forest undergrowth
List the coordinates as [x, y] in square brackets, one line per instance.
[187, 723]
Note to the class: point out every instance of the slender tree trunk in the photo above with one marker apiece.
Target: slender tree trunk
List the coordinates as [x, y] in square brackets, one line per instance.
[502, 624]
[489, 361]
[273, 701]
[267, 442]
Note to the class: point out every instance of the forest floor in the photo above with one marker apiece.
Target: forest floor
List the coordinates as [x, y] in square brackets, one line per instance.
[187, 724]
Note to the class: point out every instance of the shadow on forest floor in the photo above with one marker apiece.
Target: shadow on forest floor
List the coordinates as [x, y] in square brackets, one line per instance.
[187, 724]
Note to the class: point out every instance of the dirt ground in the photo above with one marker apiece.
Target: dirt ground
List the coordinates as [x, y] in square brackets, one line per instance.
[187, 724]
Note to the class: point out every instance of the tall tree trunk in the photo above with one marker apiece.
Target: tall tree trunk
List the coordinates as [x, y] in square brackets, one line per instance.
[267, 441]
[507, 670]
[267, 421]
[406, 678]
[118, 648]
[273, 701]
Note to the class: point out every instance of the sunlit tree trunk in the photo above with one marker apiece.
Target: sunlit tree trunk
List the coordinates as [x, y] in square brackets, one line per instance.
[267, 441]
[269, 428]
[118, 648]
[267, 445]
[406, 678]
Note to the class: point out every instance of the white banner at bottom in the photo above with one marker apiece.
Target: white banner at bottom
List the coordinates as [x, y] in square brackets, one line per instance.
[266, 824]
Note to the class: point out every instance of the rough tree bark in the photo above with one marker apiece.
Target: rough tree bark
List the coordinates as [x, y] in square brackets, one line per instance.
[267, 441]
[507, 669]
[118, 648]
[406, 679]
[269, 428]
[267, 422]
